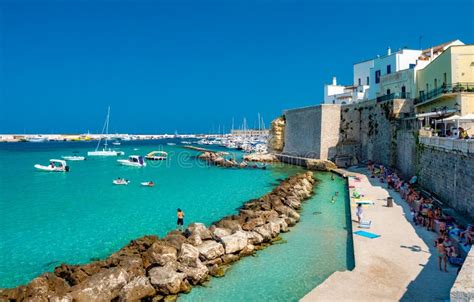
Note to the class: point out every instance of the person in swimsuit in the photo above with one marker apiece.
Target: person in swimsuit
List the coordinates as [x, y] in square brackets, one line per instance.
[180, 222]
[441, 254]
[359, 212]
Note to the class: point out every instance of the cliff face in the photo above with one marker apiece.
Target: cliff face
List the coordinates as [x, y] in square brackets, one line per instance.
[276, 141]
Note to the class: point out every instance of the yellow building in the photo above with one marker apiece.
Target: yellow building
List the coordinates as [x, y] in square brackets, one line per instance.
[446, 84]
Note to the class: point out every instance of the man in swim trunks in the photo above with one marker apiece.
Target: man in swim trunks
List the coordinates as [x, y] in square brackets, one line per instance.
[180, 222]
[441, 254]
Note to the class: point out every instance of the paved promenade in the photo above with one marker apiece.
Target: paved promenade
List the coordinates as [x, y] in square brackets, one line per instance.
[400, 265]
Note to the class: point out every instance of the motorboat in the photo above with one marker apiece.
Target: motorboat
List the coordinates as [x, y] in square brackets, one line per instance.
[121, 181]
[74, 158]
[171, 144]
[133, 161]
[116, 143]
[55, 165]
[147, 184]
[157, 155]
[105, 151]
[38, 139]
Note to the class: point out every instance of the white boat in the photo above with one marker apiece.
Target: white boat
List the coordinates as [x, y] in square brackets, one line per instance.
[55, 165]
[37, 139]
[116, 143]
[120, 181]
[105, 151]
[147, 184]
[171, 144]
[74, 158]
[157, 155]
[133, 161]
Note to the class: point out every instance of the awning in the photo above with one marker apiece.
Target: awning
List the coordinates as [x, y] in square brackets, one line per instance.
[436, 113]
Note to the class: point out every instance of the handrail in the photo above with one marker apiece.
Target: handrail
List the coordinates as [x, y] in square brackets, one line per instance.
[450, 144]
[445, 89]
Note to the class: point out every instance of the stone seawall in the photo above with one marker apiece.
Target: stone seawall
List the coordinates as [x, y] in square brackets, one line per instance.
[154, 269]
[449, 175]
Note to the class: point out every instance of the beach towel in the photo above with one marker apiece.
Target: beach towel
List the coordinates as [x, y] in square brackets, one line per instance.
[365, 202]
[367, 234]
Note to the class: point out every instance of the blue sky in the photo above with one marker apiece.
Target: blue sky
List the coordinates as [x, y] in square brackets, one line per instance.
[193, 65]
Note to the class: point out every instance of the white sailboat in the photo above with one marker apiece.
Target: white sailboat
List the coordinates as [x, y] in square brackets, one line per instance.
[105, 151]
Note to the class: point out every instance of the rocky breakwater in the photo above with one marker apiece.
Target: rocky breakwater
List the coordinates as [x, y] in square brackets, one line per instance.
[261, 157]
[218, 159]
[154, 269]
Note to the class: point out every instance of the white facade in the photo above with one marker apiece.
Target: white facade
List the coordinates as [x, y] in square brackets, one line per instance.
[362, 73]
[341, 95]
[390, 63]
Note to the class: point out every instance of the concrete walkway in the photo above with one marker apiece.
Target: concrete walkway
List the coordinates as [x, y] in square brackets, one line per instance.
[400, 265]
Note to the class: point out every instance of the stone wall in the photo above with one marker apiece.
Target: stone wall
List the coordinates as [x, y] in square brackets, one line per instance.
[406, 153]
[449, 175]
[276, 139]
[463, 288]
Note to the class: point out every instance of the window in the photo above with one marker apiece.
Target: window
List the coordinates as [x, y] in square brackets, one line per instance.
[411, 66]
[404, 92]
[435, 83]
[445, 78]
[388, 91]
[360, 82]
[389, 69]
[377, 76]
[367, 80]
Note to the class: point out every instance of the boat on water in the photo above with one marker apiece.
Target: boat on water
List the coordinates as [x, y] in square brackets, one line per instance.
[157, 155]
[120, 181]
[105, 150]
[116, 143]
[55, 165]
[171, 144]
[74, 158]
[36, 139]
[133, 161]
[147, 184]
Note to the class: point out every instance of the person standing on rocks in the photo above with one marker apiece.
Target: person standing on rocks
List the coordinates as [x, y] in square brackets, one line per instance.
[180, 222]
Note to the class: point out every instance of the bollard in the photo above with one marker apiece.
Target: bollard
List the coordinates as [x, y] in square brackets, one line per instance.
[389, 202]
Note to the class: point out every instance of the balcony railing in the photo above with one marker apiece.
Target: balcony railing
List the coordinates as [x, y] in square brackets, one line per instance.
[449, 144]
[445, 89]
[392, 96]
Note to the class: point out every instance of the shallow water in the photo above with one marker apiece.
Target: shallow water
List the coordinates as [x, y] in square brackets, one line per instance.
[317, 246]
[50, 218]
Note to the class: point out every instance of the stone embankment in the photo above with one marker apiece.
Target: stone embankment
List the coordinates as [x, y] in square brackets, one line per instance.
[276, 140]
[154, 269]
[218, 159]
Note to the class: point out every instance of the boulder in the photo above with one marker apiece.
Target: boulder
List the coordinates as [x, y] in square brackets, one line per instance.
[210, 249]
[175, 239]
[137, 289]
[254, 237]
[220, 232]
[194, 239]
[159, 253]
[235, 242]
[196, 274]
[248, 250]
[320, 165]
[166, 279]
[43, 287]
[229, 258]
[281, 222]
[265, 232]
[103, 286]
[201, 230]
[253, 223]
[229, 223]
[188, 255]
[289, 212]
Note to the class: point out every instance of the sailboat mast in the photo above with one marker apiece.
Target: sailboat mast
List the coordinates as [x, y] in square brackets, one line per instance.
[107, 127]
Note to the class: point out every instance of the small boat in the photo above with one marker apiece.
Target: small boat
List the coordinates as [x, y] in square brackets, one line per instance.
[116, 143]
[55, 165]
[105, 151]
[133, 161]
[74, 158]
[148, 184]
[36, 139]
[157, 155]
[171, 144]
[120, 181]
[135, 149]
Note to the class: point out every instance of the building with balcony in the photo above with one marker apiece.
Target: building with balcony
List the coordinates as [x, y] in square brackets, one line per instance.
[446, 84]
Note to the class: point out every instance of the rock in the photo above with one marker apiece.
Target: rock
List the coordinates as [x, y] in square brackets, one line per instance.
[73, 274]
[166, 279]
[235, 242]
[292, 202]
[265, 232]
[248, 250]
[253, 223]
[103, 286]
[40, 289]
[175, 239]
[196, 274]
[159, 253]
[283, 226]
[188, 255]
[212, 262]
[290, 221]
[194, 240]
[201, 230]
[261, 157]
[254, 237]
[229, 223]
[220, 232]
[137, 289]
[229, 258]
[218, 271]
[276, 139]
[210, 249]
[171, 298]
[289, 212]
[320, 165]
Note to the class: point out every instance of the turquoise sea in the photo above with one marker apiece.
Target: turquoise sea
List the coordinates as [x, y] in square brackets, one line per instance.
[50, 218]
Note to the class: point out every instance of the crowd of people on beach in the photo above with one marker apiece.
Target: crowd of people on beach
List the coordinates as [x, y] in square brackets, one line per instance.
[426, 213]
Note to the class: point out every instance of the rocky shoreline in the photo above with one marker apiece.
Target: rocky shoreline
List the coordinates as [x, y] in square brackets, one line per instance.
[218, 159]
[154, 269]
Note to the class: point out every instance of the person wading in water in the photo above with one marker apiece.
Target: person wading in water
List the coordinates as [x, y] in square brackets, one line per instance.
[180, 222]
